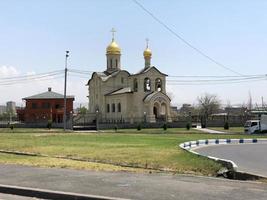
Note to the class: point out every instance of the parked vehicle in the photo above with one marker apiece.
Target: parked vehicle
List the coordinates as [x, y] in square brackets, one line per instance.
[256, 126]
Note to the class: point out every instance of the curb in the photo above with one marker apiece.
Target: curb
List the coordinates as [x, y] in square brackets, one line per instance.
[231, 167]
[49, 194]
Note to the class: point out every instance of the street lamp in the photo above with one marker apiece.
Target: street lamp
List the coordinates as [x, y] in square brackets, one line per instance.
[97, 111]
[144, 117]
[65, 91]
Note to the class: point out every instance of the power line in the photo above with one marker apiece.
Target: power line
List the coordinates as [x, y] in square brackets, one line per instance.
[216, 83]
[31, 75]
[30, 78]
[183, 40]
[59, 76]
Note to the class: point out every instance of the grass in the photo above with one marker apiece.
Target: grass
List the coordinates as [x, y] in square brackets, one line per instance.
[234, 130]
[148, 148]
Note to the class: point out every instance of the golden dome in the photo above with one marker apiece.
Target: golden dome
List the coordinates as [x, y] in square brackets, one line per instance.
[113, 48]
[147, 52]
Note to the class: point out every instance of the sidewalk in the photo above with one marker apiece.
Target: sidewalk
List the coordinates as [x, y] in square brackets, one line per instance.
[206, 130]
[126, 185]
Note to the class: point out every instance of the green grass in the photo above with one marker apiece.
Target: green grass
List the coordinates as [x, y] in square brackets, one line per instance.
[148, 148]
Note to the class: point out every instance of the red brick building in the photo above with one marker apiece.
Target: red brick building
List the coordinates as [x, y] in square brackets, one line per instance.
[45, 106]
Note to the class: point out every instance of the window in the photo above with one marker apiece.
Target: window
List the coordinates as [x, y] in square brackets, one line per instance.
[113, 107]
[34, 105]
[122, 80]
[119, 107]
[158, 85]
[135, 85]
[254, 123]
[57, 106]
[147, 85]
[46, 105]
[110, 63]
[108, 109]
[116, 63]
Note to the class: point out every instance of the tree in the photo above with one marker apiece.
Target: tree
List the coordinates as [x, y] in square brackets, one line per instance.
[82, 110]
[208, 104]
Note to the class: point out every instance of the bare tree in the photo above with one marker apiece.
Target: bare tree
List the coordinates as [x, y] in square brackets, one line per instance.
[249, 105]
[208, 104]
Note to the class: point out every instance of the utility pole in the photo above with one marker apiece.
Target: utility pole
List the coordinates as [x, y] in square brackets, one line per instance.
[65, 91]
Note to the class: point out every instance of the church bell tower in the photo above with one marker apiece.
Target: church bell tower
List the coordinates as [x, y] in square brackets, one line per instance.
[113, 53]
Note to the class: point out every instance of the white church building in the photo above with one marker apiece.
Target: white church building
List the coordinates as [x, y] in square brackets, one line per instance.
[115, 95]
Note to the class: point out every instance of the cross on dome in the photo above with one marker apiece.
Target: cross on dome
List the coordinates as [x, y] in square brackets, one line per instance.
[147, 41]
[113, 33]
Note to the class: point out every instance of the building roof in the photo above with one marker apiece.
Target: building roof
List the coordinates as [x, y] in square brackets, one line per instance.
[144, 70]
[120, 91]
[48, 95]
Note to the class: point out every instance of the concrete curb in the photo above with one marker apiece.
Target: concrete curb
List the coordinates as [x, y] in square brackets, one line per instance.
[49, 194]
[229, 164]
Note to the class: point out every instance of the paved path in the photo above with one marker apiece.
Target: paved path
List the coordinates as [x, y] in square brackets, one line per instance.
[248, 157]
[206, 130]
[132, 185]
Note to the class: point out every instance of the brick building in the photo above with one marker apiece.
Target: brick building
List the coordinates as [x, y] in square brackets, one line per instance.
[45, 106]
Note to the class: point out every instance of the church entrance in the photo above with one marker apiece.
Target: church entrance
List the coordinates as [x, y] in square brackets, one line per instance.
[156, 110]
[160, 111]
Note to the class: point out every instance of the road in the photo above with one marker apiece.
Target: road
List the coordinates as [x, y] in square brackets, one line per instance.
[140, 186]
[15, 197]
[249, 158]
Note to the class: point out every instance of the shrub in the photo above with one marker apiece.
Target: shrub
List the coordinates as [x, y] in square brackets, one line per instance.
[115, 128]
[226, 126]
[49, 124]
[139, 127]
[188, 126]
[11, 126]
[165, 127]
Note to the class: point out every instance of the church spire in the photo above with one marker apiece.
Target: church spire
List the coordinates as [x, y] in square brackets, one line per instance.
[147, 55]
[113, 53]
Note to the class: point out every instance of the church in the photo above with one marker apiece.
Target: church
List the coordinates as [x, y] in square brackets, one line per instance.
[117, 96]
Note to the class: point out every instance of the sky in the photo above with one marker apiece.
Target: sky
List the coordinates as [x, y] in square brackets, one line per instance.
[35, 35]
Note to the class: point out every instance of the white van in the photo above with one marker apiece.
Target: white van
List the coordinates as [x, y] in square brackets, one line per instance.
[256, 126]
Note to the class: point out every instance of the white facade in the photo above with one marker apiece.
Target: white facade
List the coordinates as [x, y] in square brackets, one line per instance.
[115, 95]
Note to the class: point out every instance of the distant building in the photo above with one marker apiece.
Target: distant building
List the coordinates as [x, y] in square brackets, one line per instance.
[235, 110]
[186, 109]
[45, 106]
[2, 109]
[11, 107]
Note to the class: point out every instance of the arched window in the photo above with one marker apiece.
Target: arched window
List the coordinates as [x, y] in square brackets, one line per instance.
[110, 63]
[158, 85]
[113, 107]
[116, 63]
[135, 85]
[119, 107]
[108, 108]
[147, 85]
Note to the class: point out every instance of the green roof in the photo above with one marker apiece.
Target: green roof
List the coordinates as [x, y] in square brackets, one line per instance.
[48, 95]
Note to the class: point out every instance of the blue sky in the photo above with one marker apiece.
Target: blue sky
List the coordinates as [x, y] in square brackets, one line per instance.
[35, 34]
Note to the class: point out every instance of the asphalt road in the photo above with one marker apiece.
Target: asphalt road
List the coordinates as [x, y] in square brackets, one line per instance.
[138, 186]
[15, 197]
[249, 158]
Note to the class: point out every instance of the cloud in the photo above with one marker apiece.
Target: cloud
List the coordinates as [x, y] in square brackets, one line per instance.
[8, 71]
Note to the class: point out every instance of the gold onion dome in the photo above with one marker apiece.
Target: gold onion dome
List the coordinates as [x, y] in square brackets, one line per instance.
[147, 52]
[113, 48]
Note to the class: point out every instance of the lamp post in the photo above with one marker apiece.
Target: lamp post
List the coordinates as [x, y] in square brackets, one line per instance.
[65, 91]
[97, 111]
[145, 117]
